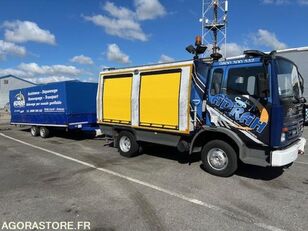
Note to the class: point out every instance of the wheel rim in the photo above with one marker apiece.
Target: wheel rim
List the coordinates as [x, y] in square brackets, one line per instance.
[42, 131]
[125, 144]
[217, 159]
[33, 131]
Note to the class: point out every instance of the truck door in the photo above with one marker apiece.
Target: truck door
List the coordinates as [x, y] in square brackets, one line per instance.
[213, 116]
[241, 101]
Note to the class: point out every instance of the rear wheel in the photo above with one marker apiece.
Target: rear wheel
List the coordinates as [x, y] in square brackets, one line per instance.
[127, 144]
[44, 132]
[219, 158]
[35, 131]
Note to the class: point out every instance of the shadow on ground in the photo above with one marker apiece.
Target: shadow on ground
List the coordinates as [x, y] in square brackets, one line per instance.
[247, 171]
[259, 173]
[71, 135]
[170, 153]
[244, 170]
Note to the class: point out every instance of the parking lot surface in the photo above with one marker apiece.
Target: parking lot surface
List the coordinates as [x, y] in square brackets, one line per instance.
[70, 177]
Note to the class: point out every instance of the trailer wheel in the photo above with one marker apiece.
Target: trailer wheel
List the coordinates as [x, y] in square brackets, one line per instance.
[44, 132]
[219, 158]
[127, 144]
[35, 131]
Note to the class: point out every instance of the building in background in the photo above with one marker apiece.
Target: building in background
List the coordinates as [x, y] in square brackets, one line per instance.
[8, 83]
[300, 57]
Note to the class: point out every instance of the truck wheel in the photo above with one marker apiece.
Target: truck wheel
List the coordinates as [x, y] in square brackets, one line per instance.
[44, 132]
[34, 131]
[127, 144]
[219, 158]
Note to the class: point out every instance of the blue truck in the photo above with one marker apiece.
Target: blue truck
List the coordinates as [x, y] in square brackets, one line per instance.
[67, 105]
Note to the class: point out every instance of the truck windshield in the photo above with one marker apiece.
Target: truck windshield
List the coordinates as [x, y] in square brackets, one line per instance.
[288, 79]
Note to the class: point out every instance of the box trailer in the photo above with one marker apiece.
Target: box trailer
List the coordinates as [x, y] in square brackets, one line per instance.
[247, 109]
[64, 105]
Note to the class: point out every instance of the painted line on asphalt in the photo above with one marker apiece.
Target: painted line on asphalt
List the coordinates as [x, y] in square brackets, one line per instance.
[268, 227]
[300, 162]
[157, 188]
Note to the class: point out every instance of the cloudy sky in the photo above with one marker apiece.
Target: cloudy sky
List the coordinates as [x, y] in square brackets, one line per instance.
[47, 40]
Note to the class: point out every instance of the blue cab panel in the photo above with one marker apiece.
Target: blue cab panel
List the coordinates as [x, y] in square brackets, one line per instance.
[70, 104]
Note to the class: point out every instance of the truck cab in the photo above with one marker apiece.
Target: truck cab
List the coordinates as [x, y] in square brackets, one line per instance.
[257, 102]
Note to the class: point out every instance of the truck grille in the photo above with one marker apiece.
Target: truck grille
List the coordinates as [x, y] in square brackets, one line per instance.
[295, 124]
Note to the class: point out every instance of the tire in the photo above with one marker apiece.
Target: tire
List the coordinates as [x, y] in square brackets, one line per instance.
[219, 158]
[35, 131]
[127, 144]
[44, 132]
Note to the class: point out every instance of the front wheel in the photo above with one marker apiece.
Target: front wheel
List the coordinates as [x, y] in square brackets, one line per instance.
[219, 158]
[127, 144]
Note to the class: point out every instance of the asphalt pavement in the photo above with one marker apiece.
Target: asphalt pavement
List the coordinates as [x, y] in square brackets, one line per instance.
[70, 177]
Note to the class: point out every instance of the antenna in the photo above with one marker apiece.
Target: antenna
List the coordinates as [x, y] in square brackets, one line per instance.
[214, 25]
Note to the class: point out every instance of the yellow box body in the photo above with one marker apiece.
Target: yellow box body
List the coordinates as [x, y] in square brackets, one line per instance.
[152, 98]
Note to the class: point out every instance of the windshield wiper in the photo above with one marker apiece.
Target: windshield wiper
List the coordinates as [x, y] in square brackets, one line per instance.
[295, 100]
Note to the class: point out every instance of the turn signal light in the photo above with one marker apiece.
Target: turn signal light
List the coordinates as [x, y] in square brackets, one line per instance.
[285, 129]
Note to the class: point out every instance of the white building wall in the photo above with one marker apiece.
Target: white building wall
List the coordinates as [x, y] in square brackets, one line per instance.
[10, 83]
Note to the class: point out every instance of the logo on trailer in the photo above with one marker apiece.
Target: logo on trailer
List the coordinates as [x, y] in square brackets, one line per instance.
[19, 100]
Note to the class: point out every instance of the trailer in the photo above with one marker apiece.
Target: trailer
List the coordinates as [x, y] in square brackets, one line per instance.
[247, 109]
[69, 105]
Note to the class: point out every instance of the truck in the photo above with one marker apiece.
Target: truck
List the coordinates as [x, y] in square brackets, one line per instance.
[244, 110]
[68, 105]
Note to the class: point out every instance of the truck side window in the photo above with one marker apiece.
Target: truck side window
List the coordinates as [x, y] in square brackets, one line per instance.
[216, 81]
[251, 85]
[248, 81]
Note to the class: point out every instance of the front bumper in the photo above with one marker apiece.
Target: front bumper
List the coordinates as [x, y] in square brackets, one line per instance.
[288, 155]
